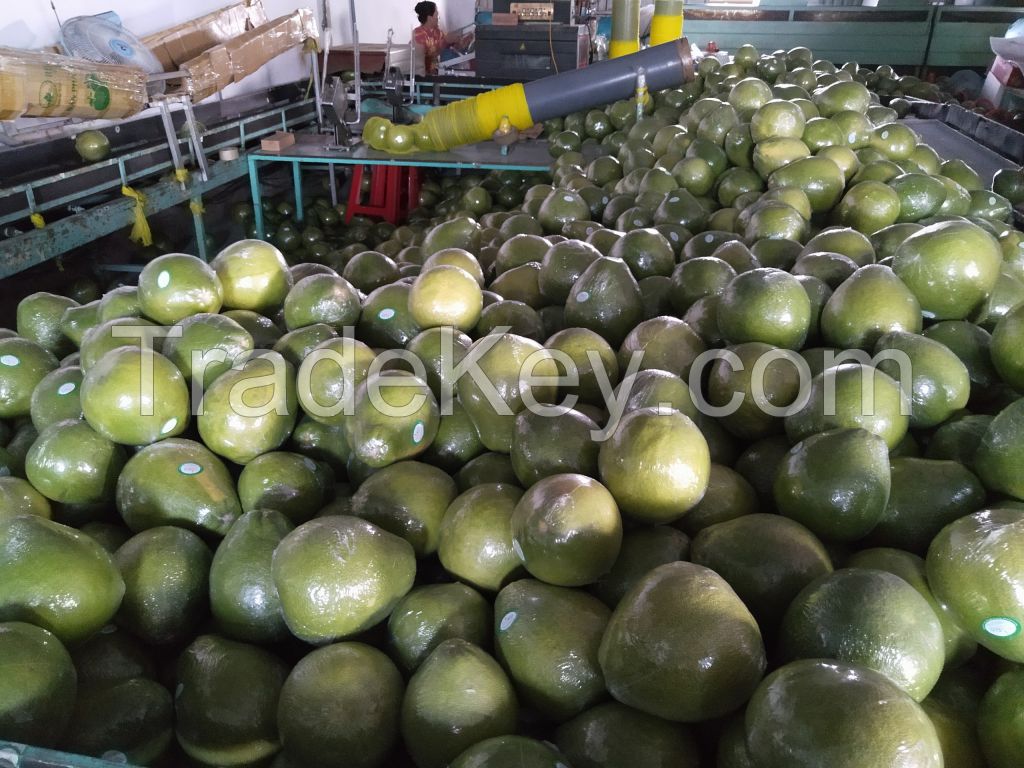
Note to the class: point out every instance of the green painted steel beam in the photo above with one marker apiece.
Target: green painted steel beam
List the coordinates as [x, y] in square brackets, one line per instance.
[40, 245]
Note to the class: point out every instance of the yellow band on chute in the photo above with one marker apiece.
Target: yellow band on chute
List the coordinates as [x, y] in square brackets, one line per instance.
[181, 174]
[475, 119]
[37, 220]
[617, 48]
[665, 29]
[140, 230]
[196, 206]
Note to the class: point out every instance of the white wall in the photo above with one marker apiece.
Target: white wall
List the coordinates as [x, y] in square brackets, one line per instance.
[31, 24]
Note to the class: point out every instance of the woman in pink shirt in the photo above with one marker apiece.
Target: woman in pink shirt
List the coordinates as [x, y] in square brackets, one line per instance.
[429, 36]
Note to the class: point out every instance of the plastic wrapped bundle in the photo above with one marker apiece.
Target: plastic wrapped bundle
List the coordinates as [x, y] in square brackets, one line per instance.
[48, 85]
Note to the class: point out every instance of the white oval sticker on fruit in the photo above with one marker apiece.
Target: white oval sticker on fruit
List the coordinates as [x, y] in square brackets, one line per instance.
[508, 620]
[163, 279]
[9, 360]
[1001, 626]
[66, 388]
[190, 468]
[386, 314]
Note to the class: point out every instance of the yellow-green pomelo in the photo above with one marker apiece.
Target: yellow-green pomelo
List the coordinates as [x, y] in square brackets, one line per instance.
[547, 637]
[458, 697]
[249, 410]
[836, 483]
[243, 597]
[37, 685]
[57, 578]
[166, 576]
[816, 712]
[226, 701]
[567, 530]
[476, 536]
[23, 364]
[871, 618]
[135, 397]
[974, 567]
[951, 267]
[176, 285]
[655, 465]
[681, 645]
[339, 575]
[408, 499]
[340, 701]
[177, 482]
[433, 613]
[254, 275]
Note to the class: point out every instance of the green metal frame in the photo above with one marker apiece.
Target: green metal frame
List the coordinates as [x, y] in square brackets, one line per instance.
[255, 158]
[899, 32]
[24, 756]
[62, 235]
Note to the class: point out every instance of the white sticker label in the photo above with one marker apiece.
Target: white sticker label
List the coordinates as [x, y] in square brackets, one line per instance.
[190, 468]
[168, 426]
[851, 138]
[674, 236]
[66, 388]
[508, 620]
[709, 238]
[386, 314]
[991, 201]
[582, 296]
[885, 134]
[418, 431]
[518, 550]
[9, 360]
[163, 279]
[568, 198]
[1001, 626]
[309, 464]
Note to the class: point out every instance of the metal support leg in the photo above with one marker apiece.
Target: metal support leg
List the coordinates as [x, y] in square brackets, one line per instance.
[333, 183]
[197, 220]
[257, 202]
[297, 184]
[193, 129]
[172, 138]
[316, 93]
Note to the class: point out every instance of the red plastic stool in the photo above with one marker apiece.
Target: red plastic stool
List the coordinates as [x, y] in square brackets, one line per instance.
[394, 191]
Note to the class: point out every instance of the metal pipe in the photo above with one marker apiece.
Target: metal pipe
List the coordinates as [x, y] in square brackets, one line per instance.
[625, 28]
[664, 66]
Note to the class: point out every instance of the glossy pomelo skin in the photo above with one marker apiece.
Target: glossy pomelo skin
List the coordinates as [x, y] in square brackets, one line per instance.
[458, 697]
[254, 275]
[23, 364]
[72, 463]
[323, 713]
[176, 285]
[973, 567]
[654, 652]
[337, 576]
[135, 397]
[433, 613]
[38, 683]
[57, 578]
[812, 711]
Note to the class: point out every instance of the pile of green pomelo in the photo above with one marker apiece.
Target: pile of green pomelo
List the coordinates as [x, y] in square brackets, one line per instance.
[760, 557]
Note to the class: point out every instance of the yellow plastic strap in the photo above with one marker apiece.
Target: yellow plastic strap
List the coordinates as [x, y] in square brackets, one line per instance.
[140, 230]
[196, 206]
[181, 174]
[37, 220]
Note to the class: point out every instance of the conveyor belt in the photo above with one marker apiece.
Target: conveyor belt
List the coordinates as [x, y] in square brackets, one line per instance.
[952, 144]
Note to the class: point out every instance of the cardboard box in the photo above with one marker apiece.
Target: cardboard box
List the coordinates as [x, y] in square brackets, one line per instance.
[239, 57]
[36, 84]
[185, 41]
[277, 142]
